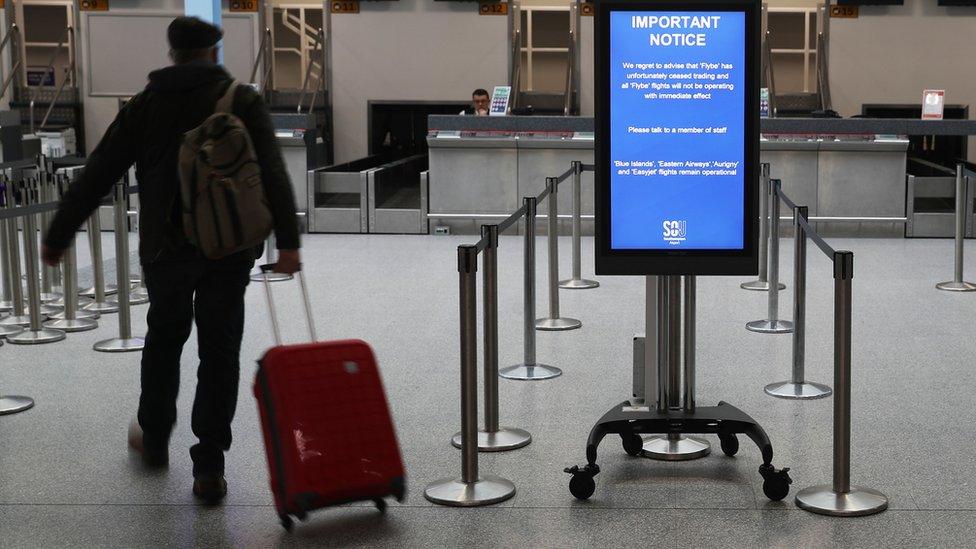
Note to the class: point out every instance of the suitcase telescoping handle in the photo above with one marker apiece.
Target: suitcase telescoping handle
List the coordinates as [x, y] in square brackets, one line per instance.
[271, 308]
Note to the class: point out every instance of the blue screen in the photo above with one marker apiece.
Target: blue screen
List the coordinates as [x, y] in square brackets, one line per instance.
[677, 115]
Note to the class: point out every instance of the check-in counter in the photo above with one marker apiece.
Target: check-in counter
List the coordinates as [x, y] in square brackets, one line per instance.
[481, 167]
[301, 149]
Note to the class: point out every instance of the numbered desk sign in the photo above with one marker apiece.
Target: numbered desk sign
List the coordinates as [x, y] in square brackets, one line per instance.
[933, 104]
[677, 137]
[243, 6]
[93, 5]
[499, 100]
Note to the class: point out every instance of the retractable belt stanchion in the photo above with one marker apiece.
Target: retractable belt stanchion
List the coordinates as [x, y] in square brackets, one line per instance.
[7, 299]
[36, 333]
[98, 291]
[577, 282]
[762, 283]
[18, 319]
[772, 324]
[554, 322]
[125, 342]
[675, 446]
[69, 321]
[957, 284]
[271, 256]
[841, 498]
[46, 194]
[493, 438]
[798, 387]
[472, 489]
[529, 369]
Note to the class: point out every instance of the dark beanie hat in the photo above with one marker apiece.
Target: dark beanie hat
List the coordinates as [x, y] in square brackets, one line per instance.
[192, 33]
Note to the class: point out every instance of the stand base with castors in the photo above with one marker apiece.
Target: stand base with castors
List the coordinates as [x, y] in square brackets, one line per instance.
[723, 420]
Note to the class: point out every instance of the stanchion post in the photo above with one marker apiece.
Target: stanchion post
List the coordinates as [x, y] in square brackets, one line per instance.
[45, 194]
[841, 498]
[125, 342]
[36, 333]
[18, 319]
[554, 322]
[6, 300]
[957, 284]
[493, 438]
[577, 282]
[772, 324]
[529, 369]
[472, 489]
[798, 387]
[762, 283]
[69, 321]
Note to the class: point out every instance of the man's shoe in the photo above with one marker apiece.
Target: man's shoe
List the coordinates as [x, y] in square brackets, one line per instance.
[153, 455]
[210, 489]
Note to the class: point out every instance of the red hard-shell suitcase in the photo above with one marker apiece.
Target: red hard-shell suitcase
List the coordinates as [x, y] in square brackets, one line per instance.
[327, 428]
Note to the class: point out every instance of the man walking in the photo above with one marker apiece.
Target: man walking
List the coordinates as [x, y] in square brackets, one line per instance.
[182, 283]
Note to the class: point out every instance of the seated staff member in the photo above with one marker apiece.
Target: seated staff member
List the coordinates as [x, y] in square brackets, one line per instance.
[479, 103]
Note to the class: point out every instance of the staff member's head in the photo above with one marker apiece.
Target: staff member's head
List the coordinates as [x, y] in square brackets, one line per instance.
[480, 101]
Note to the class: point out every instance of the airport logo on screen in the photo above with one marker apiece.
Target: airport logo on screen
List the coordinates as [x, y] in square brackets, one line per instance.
[677, 130]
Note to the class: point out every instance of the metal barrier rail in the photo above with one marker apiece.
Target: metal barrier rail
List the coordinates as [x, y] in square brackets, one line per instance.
[472, 488]
[840, 498]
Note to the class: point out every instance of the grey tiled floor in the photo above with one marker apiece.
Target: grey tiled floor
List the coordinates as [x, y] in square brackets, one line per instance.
[66, 479]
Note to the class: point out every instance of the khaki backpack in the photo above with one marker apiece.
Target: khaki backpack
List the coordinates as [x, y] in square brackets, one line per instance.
[225, 209]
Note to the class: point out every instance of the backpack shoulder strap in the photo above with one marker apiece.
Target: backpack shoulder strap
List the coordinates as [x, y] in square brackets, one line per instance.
[226, 101]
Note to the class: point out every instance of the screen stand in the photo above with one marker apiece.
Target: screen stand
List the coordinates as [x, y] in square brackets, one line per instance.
[661, 412]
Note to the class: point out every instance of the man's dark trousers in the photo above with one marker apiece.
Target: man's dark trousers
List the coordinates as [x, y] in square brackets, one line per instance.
[212, 291]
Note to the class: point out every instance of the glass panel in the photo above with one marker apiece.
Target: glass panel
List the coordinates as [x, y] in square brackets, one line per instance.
[786, 30]
[550, 29]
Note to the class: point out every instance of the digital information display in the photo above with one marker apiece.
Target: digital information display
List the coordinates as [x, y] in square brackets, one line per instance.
[677, 137]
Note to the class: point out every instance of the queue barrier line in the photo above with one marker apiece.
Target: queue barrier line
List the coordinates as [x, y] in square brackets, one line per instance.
[840, 497]
[473, 488]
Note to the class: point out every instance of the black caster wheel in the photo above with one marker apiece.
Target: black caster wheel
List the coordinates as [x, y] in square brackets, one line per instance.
[582, 486]
[776, 484]
[730, 444]
[380, 505]
[633, 444]
[286, 523]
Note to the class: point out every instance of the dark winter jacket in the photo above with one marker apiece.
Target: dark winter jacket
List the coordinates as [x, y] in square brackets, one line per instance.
[147, 132]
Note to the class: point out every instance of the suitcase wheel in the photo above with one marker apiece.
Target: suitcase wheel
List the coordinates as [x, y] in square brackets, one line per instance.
[380, 505]
[286, 523]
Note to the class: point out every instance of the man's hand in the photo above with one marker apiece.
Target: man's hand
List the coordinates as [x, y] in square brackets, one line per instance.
[289, 262]
[51, 256]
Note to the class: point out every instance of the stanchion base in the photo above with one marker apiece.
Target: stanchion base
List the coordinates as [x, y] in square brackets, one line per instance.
[6, 306]
[578, 284]
[71, 324]
[525, 372]
[487, 490]
[12, 320]
[134, 299]
[272, 277]
[15, 404]
[48, 309]
[856, 503]
[798, 391]
[80, 313]
[676, 449]
[557, 324]
[120, 345]
[502, 440]
[142, 295]
[11, 329]
[37, 337]
[770, 326]
[90, 292]
[49, 297]
[101, 308]
[759, 286]
[956, 286]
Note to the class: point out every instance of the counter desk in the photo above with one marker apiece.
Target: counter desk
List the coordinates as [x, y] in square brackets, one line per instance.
[480, 167]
